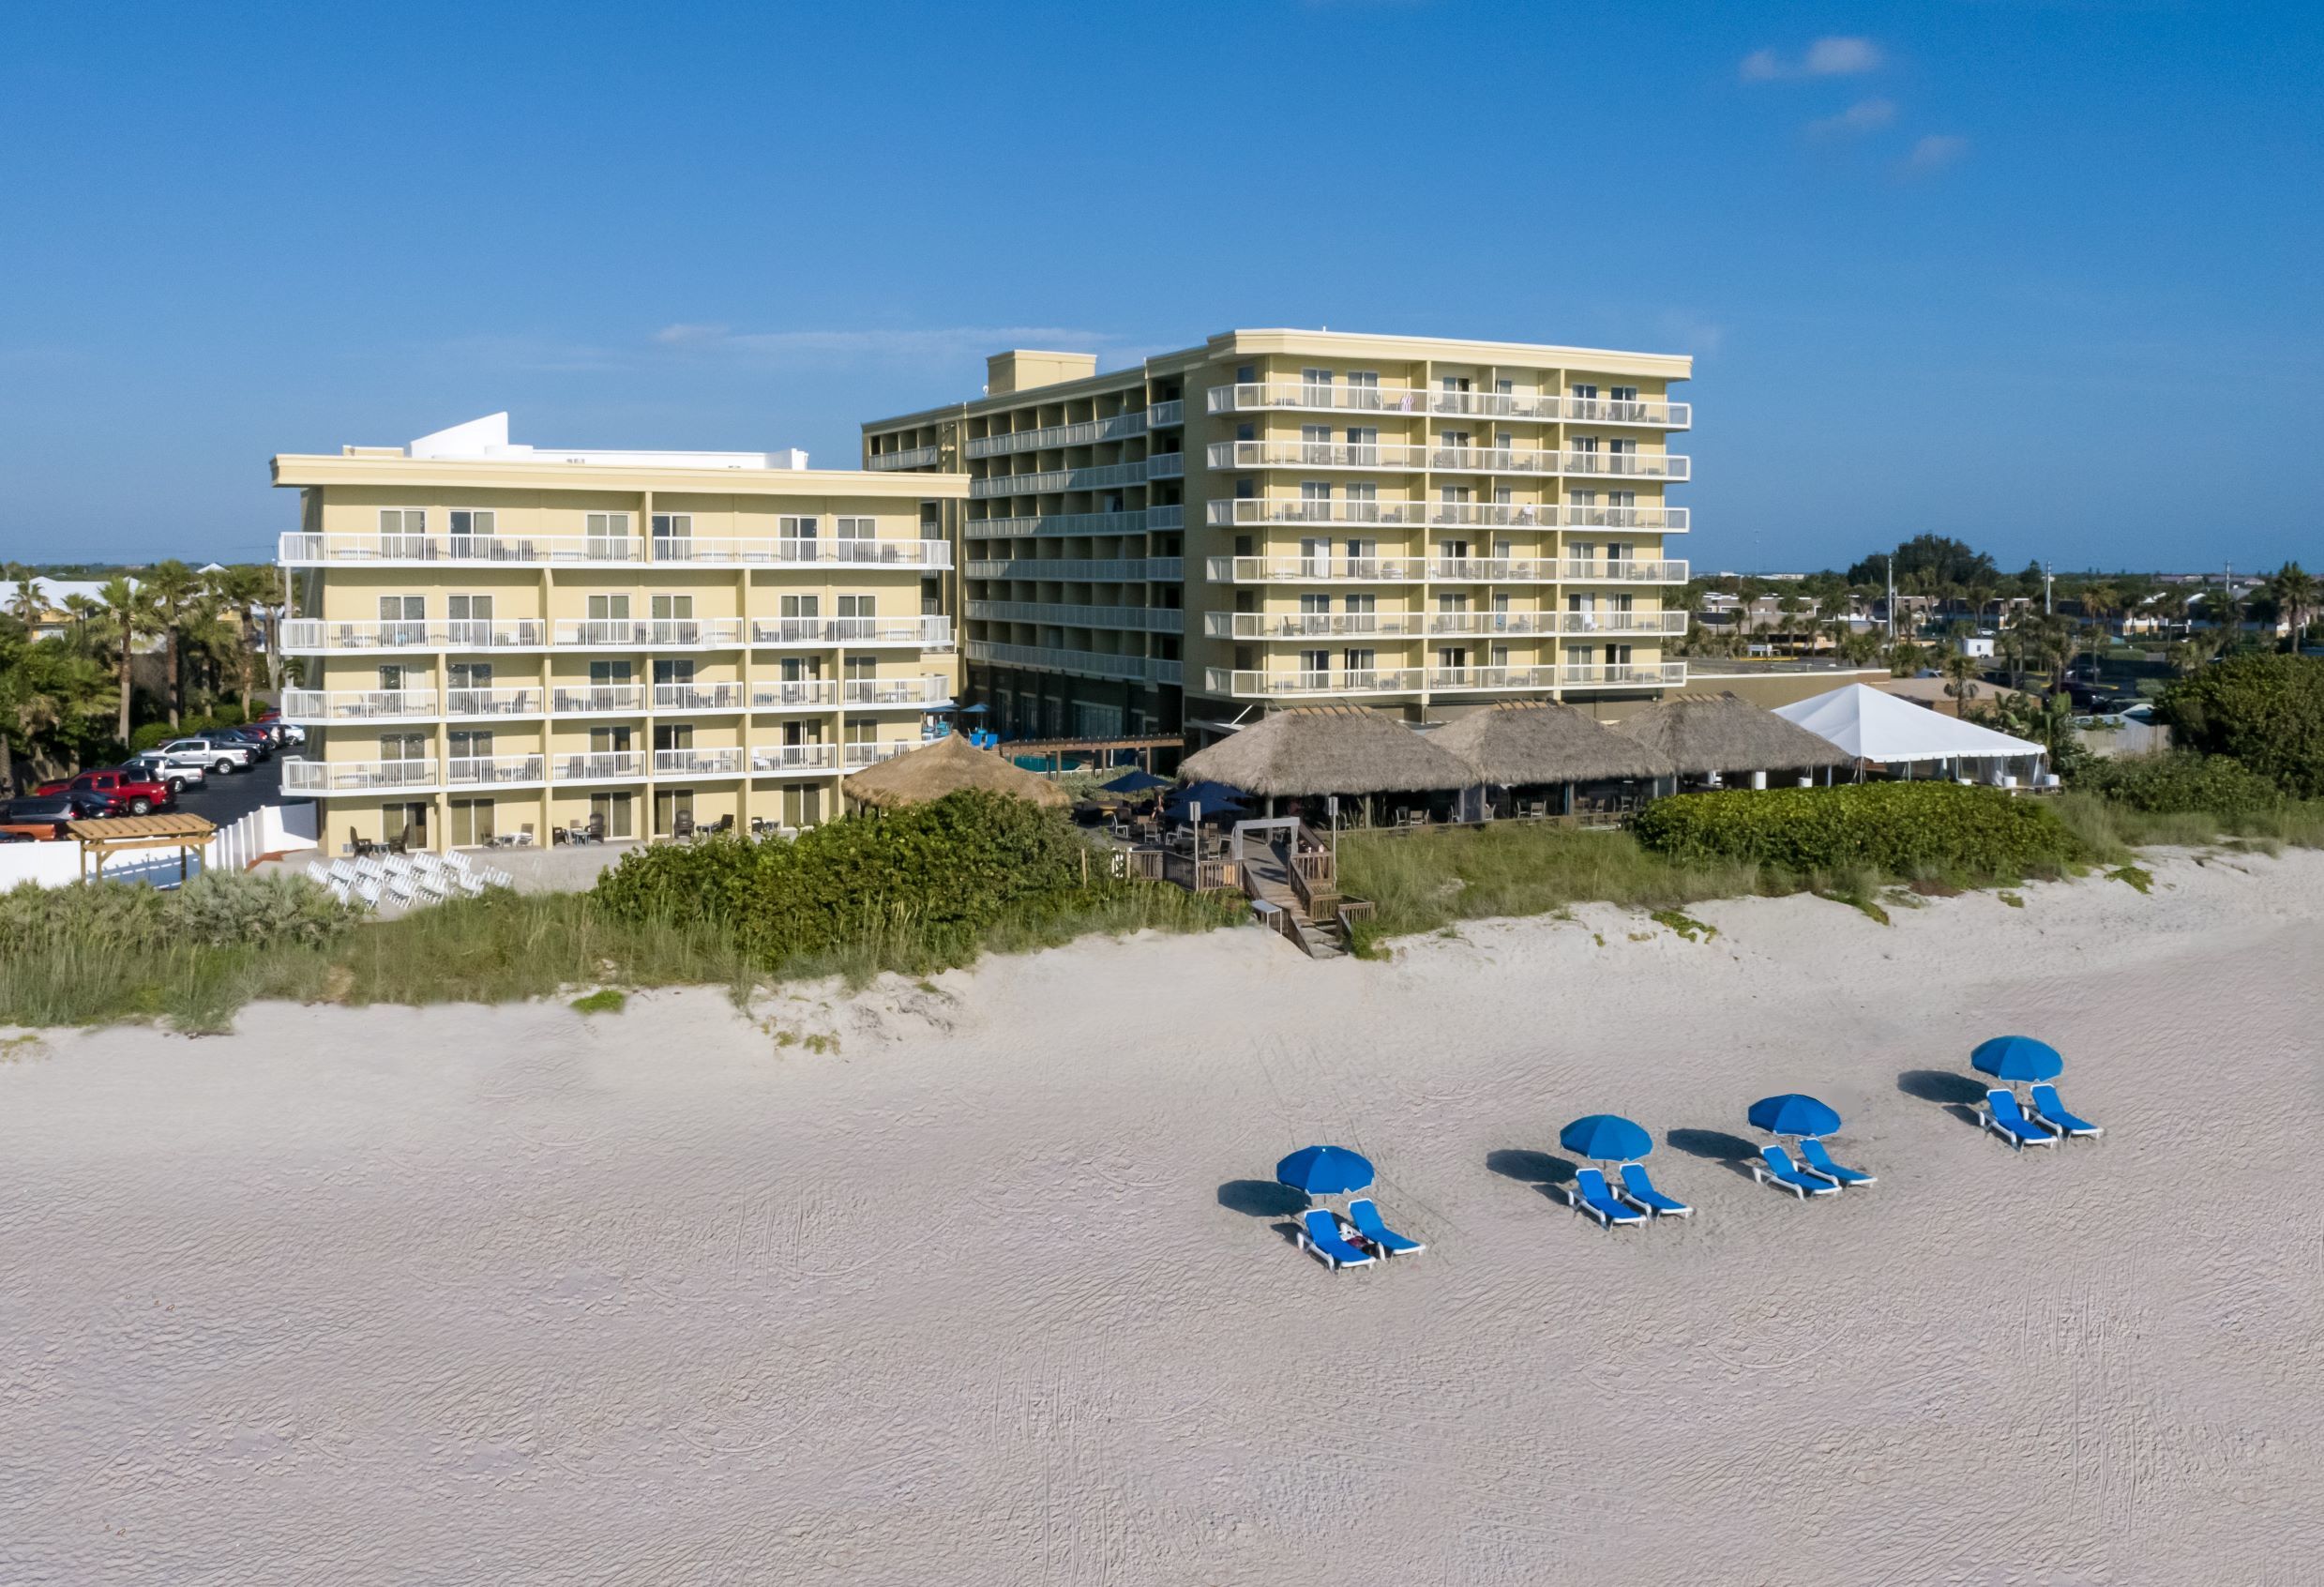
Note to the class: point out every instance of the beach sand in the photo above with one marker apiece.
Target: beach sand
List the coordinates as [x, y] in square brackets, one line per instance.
[989, 1293]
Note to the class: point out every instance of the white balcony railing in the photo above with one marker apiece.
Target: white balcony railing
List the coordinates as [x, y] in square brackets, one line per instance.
[725, 761]
[1251, 685]
[517, 701]
[927, 632]
[302, 551]
[857, 755]
[301, 775]
[1142, 619]
[1256, 510]
[315, 634]
[933, 689]
[1627, 465]
[813, 551]
[910, 457]
[1604, 623]
[1316, 569]
[1538, 406]
[597, 766]
[1390, 456]
[1668, 519]
[621, 700]
[1621, 572]
[795, 694]
[467, 771]
[698, 697]
[649, 633]
[1661, 674]
[1313, 625]
[1094, 476]
[1053, 523]
[1086, 433]
[1275, 685]
[792, 759]
[359, 706]
[1090, 663]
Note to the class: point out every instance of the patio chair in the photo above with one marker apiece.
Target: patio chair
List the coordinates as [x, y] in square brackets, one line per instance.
[360, 845]
[682, 825]
[1319, 1232]
[1638, 1190]
[1365, 1214]
[1590, 1195]
[597, 829]
[1775, 1165]
[2001, 1115]
[368, 890]
[2051, 1113]
[1819, 1163]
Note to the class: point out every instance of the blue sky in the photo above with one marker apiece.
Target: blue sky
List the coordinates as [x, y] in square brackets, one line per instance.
[2042, 276]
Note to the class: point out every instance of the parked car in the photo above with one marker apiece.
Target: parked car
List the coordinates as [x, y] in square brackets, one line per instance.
[153, 768]
[220, 755]
[49, 817]
[261, 742]
[136, 795]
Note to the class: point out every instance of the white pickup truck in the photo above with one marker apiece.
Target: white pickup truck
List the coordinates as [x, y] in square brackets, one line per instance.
[217, 755]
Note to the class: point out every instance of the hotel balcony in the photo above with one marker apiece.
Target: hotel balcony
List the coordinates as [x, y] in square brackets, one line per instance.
[1140, 619]
[358, 705]
[472, 771]
[1087, 433]
[1094, 476]
[300, 775]
[699, 697]
[1616, 572]
[795, 694]
[917, 457]
[927, 691]
[858, 755]
[1056, 523]
[1390, 457]
[1255, 511]
[1239, 684]
[1161, 416]
[720, 762]
[1089, 663]
[1116, 569]
[1166, 465]
[1252, 512]
[1293, 626]
[1315, 570]
[650, 633]
[793, 760]
[600, 700]
[1607, 624]
[1375, 457]
[1539, 407]
[924, 633]
[570, 551]
[600, 765]
[1313, 625]
[312, 635]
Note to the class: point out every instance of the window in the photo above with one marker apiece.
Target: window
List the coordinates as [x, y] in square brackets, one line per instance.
[470, 675]
[791, 528]
[674, 735]
[409, 820]
[609, 535]
[1315, 501]
[862, 730]
[1362, 605]
[802, 605]
[472, 744]
[1316, 442]
[1623, 393]
[673, 607]
[608, 741]
[1365, 380]
[608, 608]
[1316, 387]
[402, 746]
[1453, 658]
[403, 609]
[467, 522]
[676, 671]
[1359, 663]
[611, 812]
[860, 669]
[469, 608]
[855, 528]
[673, 537]
[472, 824]
[395, 523]
[1315, 666]
[609, 674]
[391, 679]
[1363, 504]
[859, 606]
[1585, 393]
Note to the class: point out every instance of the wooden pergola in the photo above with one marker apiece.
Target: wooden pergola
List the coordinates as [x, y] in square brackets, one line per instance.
[109, 835]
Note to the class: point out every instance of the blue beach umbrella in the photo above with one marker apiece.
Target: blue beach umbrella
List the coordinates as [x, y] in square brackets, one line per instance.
[1324, 1171]
[1606, 1137]
[2016, 1059]
[1136, 781]
[1216, 799]
[1793, 1115]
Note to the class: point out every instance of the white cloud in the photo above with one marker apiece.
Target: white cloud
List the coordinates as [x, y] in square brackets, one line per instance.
[1825, 57]
[1869, 116]
[1935, 152]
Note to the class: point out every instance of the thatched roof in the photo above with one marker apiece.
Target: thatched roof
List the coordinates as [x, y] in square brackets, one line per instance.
[1700, 734]
[1527, 743]
[1320, 750]
[946, 766]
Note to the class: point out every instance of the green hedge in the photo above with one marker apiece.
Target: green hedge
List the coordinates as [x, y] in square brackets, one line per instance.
[1901, 828]
[153, 734]
[941, 873]
[2267, 711]
[2181, 783]
[217, 909]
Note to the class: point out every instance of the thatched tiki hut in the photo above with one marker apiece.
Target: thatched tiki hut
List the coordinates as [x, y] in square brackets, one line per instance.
[1711, 739]
[1549, 760]
[1309, 753]
[948, 765]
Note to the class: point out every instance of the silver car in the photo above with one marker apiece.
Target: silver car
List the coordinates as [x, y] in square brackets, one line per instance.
[179, 775]
[220, 755]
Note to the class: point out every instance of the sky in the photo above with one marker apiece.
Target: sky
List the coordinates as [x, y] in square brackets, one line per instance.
[2042, 276]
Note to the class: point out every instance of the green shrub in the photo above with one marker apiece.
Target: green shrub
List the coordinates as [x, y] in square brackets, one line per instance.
[943, 872]
[153, 734]
[2264, 710]
[215, 910]
[2181, 783]
[1897, 828]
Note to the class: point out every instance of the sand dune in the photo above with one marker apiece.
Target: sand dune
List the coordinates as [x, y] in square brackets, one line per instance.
[990, 1294]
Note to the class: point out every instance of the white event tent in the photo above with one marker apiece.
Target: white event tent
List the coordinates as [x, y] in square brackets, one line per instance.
[1880, 729]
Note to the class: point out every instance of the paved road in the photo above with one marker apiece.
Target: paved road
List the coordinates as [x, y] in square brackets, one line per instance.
[224, 800]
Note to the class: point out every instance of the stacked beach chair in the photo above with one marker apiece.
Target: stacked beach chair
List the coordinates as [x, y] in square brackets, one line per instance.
[404, 880]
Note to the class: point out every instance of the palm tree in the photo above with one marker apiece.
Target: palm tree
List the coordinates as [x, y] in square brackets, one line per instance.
[173, 588]
[83, 610]
[27, 602]
[1961, 675]
[129, 614]
[2294, 591]
[240, 592]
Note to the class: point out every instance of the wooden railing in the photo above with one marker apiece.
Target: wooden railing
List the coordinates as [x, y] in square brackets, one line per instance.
[1141, 864]
[1199, 876]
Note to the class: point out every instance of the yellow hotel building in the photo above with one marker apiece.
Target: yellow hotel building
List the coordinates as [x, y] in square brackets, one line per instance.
[1276, 517]
[496, 639]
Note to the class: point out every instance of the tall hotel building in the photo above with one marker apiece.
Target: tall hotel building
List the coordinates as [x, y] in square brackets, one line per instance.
[1282, 517]
[496, 638]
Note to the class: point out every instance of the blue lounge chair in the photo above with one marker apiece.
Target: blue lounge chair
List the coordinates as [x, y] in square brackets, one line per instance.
[1319, 1232]
[2001, 1115]
[1819, 1163]
[1775, 1165]
[2049, 1112]
[1640, 1192]
[1590, 1195]
[1365, 1214]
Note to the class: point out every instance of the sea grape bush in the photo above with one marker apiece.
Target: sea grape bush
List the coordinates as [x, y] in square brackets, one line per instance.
[2181, 783]
[1901, 828]
[221, 909]
[2266, 711]
[948, 870]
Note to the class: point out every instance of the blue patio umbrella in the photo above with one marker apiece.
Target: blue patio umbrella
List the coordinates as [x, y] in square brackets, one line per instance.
[1136, 781]
[1606, 1137]
[1324, 1171]
[1216, 799]
[2016, 1059]
[1793, 1115]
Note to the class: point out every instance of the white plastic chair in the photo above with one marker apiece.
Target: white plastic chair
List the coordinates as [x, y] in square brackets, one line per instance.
[368, 890]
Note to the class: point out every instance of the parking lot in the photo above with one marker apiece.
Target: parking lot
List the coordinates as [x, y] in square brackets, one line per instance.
[224, 800]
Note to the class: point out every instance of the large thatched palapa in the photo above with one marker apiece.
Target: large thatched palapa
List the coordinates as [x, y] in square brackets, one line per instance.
[1313, 750]
[948, 765]
[1527, 745]
[1703, 733]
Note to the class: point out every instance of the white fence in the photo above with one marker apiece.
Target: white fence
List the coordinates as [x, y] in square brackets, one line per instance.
[270, 830]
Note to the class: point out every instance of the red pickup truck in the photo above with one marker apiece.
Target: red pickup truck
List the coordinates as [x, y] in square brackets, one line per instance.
[128, 791]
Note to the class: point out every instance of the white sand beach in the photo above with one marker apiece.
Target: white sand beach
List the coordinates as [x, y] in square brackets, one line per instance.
[983, 1296]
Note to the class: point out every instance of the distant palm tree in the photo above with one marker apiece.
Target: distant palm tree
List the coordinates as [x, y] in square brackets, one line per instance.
[27, 601]
[241, 594]
[129, 614]
[2294, 591]
[83, 610]
[173, 588]
[1961, 675]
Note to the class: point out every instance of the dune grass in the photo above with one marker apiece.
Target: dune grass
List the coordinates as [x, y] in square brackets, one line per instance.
[2112, 830]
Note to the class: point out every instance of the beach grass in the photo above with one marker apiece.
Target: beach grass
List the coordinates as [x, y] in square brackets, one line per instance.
[2111, 830]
